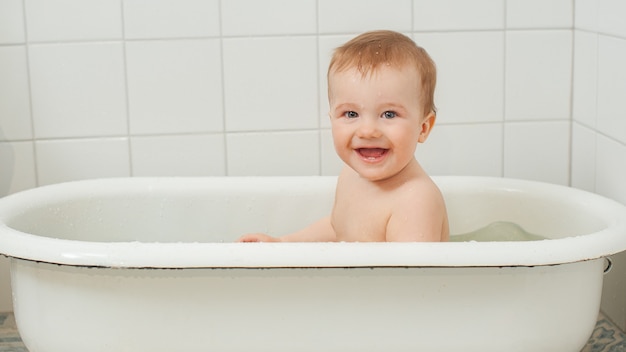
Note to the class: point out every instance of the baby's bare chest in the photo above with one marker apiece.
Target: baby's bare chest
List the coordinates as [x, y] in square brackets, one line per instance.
[362, 219]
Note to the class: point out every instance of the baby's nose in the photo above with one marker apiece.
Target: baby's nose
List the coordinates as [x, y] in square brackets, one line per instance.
[368, 128]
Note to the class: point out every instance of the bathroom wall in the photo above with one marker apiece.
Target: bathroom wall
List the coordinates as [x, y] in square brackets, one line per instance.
[599, 120]
[103, 88]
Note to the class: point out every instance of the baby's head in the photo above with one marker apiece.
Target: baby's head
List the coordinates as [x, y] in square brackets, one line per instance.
[370, 51]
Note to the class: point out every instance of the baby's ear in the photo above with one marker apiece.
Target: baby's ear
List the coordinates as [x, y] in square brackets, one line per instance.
[427, 126]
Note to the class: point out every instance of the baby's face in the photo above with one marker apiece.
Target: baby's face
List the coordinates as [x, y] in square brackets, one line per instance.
[377, 120]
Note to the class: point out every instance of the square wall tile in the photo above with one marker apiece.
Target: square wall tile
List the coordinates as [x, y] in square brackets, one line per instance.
[273, 154]
[583, 157]
[611, 169]
[181, 155]
[611, 118]
[270, 83]
[585, 78]
[269, 17]
[537, 85]
[78, 90]
[437, 15]
[79, 159]
[18, 167]
[355, 16]
[12, 22]
[537, 151]
[331, 162]
[470, 75]
[175, 86]
[611, 17]
[465, 149]
[586, 14]
[15, 119]
[63, 20]
[171, 18]
[539, 13]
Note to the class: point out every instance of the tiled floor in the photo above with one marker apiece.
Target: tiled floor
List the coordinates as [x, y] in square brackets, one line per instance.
[606, 337]
[9, 338]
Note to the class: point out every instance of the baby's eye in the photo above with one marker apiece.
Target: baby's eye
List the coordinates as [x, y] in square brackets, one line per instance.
[389, 114]
[351, 114]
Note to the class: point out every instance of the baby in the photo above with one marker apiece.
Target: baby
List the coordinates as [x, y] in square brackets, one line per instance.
[381, 94]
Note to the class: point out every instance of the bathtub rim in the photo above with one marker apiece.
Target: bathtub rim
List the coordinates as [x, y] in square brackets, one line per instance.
[15, 244]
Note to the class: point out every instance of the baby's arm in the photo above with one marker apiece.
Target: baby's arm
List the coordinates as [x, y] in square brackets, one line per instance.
[419, 217]
[320, 231]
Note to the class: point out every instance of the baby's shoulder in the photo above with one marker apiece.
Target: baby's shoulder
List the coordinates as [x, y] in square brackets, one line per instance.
[419, 189]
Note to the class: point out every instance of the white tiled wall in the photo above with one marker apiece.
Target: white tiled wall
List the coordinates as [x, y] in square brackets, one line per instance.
[174, 86]
[598, 149]
[538, 75]
[127, 77]
[77, 89]
[539, 13]
[170, 18]
[470, 81]
[99, 88]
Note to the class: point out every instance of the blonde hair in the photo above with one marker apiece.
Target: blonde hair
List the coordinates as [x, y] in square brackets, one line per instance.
[370, 50]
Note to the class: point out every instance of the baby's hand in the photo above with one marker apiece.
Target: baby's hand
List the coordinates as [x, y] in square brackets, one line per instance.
[257, 237]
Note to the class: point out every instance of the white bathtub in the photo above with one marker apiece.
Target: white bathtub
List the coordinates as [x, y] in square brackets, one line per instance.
[149, 265]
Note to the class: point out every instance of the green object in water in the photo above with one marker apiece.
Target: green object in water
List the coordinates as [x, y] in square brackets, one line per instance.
[498, 231]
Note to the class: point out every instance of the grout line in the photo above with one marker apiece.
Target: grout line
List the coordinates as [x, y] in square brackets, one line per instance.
[127, 95]
[504, 80]
[571, 99]
[319, 85]
[110, 39]
[282, 35]
[308, 34]
[412, 18]
[605, 34]
[9, 45]
[222, 77]
[595, 117]
[469, 123]
[34, 139]
[178, 134]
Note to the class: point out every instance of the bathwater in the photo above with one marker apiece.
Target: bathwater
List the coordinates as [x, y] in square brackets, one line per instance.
[497, 231]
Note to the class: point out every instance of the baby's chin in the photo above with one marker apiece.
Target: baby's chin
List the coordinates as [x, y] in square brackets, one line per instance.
[376, 176]
[384, 173]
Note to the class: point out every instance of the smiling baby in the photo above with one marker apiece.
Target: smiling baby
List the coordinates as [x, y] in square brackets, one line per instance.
[381, 95]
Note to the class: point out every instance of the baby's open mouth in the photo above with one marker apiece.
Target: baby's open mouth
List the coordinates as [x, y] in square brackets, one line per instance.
[372, 154]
